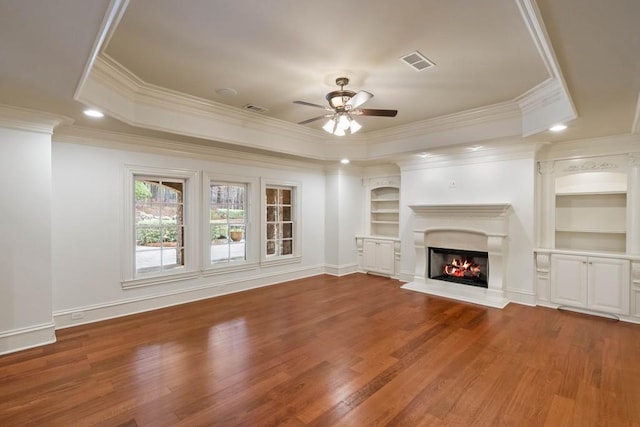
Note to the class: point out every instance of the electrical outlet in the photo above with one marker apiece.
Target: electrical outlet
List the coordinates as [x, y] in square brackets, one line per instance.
[77, 315]
[452, 184]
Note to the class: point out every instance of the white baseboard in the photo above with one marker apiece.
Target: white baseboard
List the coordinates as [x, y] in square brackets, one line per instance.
[521, 297]
[95, 313]
[341, 270]
[25, 338]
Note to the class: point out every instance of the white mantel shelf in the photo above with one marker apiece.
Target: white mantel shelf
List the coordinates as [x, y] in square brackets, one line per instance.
[491, 210]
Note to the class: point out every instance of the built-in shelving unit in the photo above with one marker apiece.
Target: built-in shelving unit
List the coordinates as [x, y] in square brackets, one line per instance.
[379, 248]
[591, 212]
[385, 211]
[589, 235]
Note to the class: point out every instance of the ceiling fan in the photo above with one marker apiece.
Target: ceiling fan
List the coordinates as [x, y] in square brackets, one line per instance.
[343, 105]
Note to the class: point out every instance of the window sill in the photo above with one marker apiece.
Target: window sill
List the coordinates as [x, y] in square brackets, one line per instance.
[282, 260]
[224, 269]
[158, 280]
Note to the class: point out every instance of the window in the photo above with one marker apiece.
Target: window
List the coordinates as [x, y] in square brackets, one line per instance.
[281, 233]
[227, 222]
[159, 226]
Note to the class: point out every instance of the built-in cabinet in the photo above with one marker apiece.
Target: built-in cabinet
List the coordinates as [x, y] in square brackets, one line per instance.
[379, 247]
[589, 234]
[596, 283]
[378, 256]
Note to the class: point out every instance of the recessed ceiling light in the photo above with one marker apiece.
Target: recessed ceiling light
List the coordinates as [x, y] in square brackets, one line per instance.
[344, 161]
[558, 128]
[93, 113]
[423, 155]
[475, 148]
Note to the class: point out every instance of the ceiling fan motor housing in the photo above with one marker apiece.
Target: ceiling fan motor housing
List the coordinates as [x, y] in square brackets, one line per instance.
[339, 98]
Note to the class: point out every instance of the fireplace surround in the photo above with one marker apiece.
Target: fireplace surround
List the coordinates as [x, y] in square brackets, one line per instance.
[470, 228]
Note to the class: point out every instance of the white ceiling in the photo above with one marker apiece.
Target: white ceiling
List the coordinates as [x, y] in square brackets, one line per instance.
[274, 52]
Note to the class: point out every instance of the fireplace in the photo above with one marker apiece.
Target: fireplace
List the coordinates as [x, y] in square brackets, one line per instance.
[459, 266]
[476, 235]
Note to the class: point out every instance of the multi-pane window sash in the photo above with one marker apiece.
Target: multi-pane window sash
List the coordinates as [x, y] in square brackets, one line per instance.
[279, 221]
[227, 222]
[159, 225]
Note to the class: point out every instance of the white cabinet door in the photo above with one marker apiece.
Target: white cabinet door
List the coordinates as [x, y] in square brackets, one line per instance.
[384, 257]
[569, 280]
[369, 252]
[377, 256]
[608, 285]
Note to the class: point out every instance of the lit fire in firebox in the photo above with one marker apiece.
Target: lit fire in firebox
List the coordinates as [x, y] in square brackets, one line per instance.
[461, 267]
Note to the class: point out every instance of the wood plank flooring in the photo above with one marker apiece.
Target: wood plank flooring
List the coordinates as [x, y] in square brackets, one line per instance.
[327, 351]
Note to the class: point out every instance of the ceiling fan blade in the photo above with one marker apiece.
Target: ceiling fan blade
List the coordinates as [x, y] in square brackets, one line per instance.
[374, 112]
[359, 98]
[309, 104]
[304, 122]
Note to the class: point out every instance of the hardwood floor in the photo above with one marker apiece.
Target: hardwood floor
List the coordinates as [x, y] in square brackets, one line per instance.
[327, 351]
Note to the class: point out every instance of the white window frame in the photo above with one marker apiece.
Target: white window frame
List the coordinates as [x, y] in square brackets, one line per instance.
[296, 201]
[131, 279]
[251, 261]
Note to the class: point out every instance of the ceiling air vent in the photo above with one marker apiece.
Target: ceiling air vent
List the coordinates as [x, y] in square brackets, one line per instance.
[417, 61]
[255, 108]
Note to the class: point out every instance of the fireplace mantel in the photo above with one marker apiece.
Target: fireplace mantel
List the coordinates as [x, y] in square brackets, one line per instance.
[474, 210]
[481, 227]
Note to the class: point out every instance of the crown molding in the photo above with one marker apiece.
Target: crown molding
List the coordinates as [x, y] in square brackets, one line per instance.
[491, 151]
[591, 147]
[126, 97]
[110, 22]
[31, 120]
[545, 105]
[120, 141]
[471, 117]
[549, 102]
[501, 120]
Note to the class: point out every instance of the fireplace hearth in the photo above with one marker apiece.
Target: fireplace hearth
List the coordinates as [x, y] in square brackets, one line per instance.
[459, 266]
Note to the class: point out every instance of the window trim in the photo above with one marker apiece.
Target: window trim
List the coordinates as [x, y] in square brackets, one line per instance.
[129, 276]
[250, 262]
[296, 201]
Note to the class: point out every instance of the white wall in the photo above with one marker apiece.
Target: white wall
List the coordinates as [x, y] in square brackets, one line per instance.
[505, 181]
[25, 227]
[88, 194]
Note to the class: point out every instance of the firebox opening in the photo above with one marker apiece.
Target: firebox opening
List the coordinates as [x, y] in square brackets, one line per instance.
[459, 266]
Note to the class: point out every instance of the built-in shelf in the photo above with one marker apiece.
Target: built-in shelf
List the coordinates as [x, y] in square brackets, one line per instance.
[591, 193]
[591, 211]
[601, 230]
[385, 211]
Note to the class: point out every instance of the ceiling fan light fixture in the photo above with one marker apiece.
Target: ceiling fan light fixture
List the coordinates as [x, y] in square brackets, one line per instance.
[330, 125]
[343, 122]
[344, 103]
